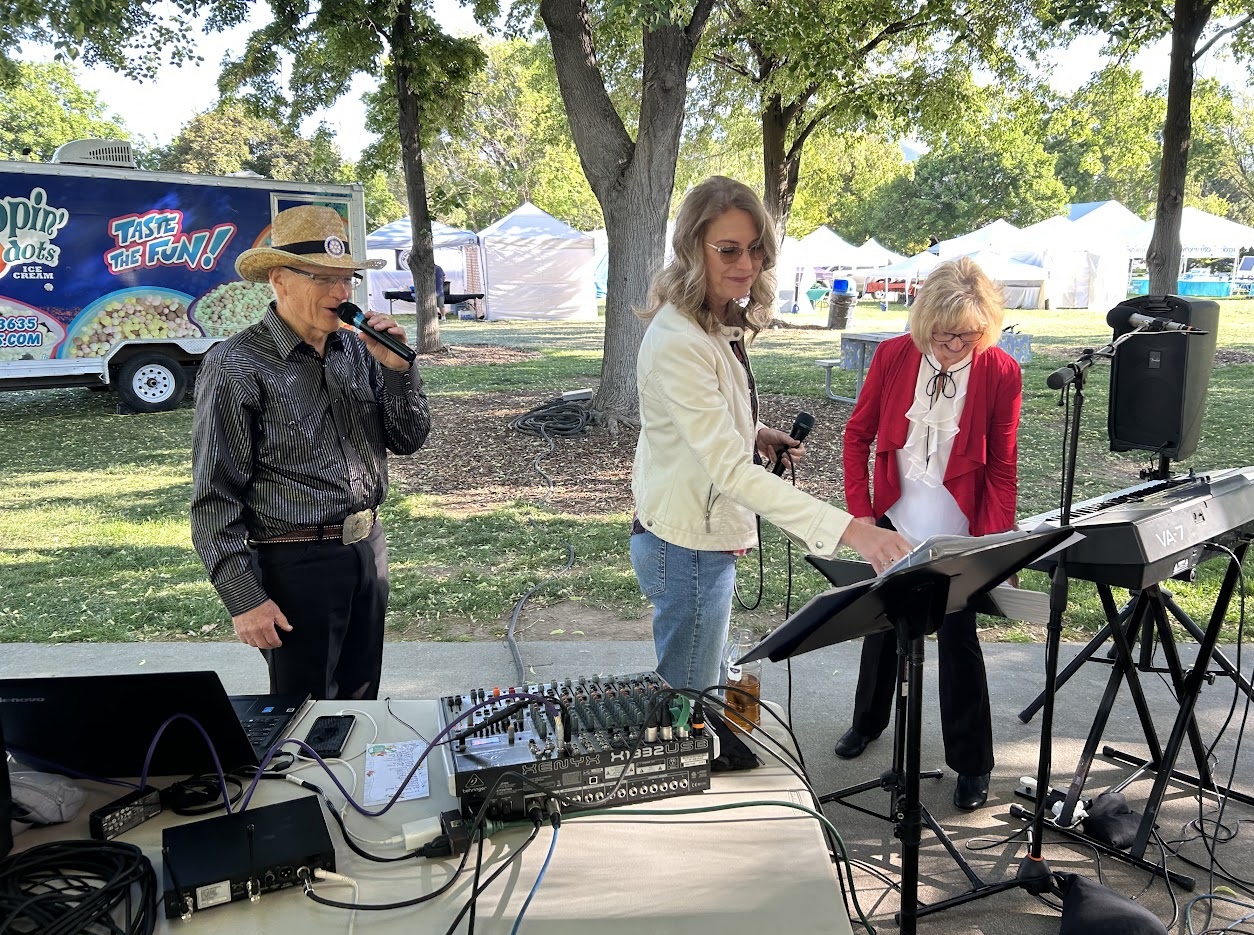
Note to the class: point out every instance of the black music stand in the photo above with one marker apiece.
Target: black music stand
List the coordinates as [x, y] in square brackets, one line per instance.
[912, 601]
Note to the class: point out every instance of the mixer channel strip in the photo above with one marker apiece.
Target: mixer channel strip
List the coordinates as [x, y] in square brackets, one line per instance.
[631, 739]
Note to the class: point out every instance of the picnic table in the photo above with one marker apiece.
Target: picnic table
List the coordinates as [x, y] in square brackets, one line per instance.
[857, 348]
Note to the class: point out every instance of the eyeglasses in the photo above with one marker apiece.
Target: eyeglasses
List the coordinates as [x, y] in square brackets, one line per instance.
[328, 282]
[731, 254]
[947, 337]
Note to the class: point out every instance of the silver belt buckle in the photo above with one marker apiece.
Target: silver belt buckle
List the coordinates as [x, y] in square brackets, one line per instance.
[357, 527]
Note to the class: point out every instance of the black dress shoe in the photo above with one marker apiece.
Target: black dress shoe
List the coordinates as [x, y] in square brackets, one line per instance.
[971, 792]
[852, 742]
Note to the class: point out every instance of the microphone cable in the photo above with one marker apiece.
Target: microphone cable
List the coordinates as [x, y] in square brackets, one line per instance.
[73, 887]
[558, 418]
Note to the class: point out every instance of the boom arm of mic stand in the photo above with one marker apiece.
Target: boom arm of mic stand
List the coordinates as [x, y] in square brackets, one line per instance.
[1073, 371]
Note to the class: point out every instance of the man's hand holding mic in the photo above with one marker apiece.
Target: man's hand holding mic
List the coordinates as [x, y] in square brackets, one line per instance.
[383, 337]
[880, 547]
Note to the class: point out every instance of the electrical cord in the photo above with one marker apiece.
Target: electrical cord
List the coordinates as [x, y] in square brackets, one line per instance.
[539, 879]
[510, 635]
[476, 892]
[348, 838]
[474, 902]
[200, 795]
[73, 887]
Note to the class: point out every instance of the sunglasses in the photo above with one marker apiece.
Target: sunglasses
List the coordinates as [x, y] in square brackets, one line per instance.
[731, 254]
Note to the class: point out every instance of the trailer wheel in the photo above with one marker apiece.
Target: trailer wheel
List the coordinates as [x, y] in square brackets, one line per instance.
[151, 383]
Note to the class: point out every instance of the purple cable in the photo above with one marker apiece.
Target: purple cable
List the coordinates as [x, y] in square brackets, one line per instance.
[143, 777]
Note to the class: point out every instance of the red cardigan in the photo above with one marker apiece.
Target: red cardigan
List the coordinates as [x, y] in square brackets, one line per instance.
[982, 473]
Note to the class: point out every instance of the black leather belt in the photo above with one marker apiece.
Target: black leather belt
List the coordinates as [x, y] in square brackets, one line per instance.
[354, 528]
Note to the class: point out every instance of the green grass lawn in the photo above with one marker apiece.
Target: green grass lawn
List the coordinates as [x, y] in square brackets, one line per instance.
[94, 541]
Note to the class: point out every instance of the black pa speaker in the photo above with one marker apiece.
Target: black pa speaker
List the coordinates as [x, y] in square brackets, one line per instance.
[1158, 379]
[6, 799]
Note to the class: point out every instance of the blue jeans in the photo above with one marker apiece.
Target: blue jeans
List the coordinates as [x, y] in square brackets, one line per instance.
[691, 592]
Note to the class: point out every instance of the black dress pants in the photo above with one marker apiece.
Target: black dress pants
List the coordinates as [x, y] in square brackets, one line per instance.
[966, 716]
[335, 597]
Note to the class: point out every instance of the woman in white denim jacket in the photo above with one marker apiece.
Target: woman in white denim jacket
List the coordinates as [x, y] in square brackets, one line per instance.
[696, 482]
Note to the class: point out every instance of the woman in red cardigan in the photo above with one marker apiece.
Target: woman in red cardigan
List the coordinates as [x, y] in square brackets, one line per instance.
[942, 406]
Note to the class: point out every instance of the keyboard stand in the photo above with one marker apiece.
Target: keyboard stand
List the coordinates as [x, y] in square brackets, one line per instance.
[1147, 615]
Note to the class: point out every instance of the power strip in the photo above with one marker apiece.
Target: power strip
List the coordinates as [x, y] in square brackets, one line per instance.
[1053, 799]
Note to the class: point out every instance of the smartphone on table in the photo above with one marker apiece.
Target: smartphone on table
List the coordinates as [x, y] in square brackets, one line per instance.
[329, 733]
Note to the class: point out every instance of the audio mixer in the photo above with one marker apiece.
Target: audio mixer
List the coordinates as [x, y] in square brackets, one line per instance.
[600, 741]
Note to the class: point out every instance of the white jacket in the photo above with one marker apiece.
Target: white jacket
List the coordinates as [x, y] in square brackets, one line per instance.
[694, 480]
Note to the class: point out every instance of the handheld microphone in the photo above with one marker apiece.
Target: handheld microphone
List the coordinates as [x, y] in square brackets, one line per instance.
[354, 316]
[1125, 315]
[800, 429]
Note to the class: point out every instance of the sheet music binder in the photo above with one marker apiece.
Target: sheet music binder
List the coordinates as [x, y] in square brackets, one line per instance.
[864, 607]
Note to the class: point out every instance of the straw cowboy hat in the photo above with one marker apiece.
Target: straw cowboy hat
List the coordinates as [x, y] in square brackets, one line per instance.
[304, 234]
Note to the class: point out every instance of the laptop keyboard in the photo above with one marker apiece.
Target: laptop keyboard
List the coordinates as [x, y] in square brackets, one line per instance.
[262, 731]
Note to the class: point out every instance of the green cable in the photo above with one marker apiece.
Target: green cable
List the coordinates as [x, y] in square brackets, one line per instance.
[681, 712]
[614, 812]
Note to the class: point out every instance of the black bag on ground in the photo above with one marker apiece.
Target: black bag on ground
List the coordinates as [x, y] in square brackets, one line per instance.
[1088, 908]
[1111, 821]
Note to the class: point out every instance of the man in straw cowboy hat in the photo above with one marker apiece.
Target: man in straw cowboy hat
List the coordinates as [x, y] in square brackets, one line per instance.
[294, 418]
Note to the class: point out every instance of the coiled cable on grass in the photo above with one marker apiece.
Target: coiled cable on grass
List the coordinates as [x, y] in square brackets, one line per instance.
[558, 418]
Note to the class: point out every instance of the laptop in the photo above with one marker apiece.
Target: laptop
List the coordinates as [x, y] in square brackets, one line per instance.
[102, 725]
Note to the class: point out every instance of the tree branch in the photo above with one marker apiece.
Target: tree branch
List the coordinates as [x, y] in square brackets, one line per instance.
[721, 58]
[696, 23]
[893, 29]
[1249, 17]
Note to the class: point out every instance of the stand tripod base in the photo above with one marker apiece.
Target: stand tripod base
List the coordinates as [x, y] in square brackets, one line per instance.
[1180, 879]
[1143, 764]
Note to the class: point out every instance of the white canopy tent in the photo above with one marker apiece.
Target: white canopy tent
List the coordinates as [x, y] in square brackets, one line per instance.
[1022, 283]
[873, 254]
[799, 261]
[913, 267]
[999, 235]
[456, 253]
[1083, 270]
[393, 241]
[823, 247]
[537, 267]
[1105, 222]
[1204, 235]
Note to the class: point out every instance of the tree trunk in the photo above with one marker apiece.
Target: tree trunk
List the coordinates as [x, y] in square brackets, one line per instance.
[1163, 256]
[782, 167]
[422, 254]
[632, 180]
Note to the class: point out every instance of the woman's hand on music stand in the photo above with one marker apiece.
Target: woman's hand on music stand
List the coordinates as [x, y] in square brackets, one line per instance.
[880, 547]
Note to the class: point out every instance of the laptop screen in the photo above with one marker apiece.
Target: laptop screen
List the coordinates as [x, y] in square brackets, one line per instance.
[102, 725]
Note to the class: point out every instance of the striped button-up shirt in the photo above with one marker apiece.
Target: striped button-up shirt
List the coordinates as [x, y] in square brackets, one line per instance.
[284, 439]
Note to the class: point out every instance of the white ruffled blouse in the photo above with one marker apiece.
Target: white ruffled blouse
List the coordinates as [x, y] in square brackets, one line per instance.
[926, 508]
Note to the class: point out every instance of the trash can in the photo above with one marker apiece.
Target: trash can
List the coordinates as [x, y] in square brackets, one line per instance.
[840, 303]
